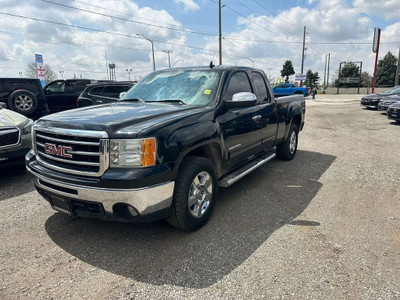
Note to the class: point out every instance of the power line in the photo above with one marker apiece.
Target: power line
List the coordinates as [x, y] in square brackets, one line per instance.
[136, 17]
[238, 13]
[259, 14]
[127, 20]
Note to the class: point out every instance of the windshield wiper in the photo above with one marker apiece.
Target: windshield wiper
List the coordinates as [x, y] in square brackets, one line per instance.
[171, 101]
[133, 99]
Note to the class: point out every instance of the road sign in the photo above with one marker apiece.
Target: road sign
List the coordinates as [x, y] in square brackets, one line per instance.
[300, 77]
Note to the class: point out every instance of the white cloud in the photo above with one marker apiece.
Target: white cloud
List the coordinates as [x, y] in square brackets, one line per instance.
[388, 9]
[78, 51]
[189, 5]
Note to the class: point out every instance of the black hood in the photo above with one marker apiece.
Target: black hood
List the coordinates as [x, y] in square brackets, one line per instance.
[115, 116]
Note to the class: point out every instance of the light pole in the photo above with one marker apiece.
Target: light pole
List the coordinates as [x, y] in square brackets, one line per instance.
[62, 74]
[252, 61]
[220, 32]
[169, 58]
[129, 73]
[152, 48]
[20, 74]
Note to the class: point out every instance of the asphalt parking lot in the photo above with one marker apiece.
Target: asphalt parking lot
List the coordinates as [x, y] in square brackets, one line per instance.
[323, 226]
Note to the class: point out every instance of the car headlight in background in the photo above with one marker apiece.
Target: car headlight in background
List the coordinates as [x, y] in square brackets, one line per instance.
[28, 127]
[125, 153]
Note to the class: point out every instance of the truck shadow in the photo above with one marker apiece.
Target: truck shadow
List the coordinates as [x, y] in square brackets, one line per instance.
[245, 216]
[14, 181]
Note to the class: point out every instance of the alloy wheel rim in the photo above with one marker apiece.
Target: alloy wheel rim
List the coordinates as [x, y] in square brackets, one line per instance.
[292, 145]
[24, 102]
[200, 194]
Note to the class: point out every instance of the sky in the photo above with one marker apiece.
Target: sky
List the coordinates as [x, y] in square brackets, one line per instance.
[79, 37]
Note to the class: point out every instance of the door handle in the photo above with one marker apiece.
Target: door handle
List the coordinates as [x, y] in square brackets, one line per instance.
[257, 117]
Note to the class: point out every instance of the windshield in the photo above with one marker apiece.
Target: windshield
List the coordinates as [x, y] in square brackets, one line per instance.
[393, 90]
[194, 87]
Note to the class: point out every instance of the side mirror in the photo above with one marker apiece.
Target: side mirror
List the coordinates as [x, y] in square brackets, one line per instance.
[244, 99]
[122, 94]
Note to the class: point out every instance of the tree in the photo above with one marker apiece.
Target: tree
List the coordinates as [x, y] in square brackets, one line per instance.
[31, 72]
[287, 70]
[366, 79]
[386, 70]
[311, 79]
[349, 70]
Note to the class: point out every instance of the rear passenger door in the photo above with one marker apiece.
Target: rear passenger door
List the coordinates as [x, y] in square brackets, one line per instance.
[240, 126]
[267, 110]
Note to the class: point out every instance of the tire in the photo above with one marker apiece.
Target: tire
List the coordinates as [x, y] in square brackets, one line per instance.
[23, 102]
[195, 194]
[287, 150]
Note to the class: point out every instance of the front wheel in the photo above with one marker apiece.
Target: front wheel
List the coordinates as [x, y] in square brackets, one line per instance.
[195, 194]
[287, 150]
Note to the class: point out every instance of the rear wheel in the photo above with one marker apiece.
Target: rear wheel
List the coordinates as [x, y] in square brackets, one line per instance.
[288, 149]
[195, 194]
[23, 102]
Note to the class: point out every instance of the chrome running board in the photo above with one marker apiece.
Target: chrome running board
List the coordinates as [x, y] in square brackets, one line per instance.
[231, 178]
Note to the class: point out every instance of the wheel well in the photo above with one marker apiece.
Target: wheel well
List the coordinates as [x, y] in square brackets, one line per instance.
[297, 120]
[210, 151]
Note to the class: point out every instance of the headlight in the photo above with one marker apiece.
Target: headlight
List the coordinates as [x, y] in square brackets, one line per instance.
[125, 153]
[28, 127]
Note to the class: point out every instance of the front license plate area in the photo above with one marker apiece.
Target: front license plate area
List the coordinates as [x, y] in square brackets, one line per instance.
[61, 205]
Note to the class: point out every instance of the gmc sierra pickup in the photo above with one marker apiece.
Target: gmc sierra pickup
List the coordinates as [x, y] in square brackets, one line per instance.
[163, 150]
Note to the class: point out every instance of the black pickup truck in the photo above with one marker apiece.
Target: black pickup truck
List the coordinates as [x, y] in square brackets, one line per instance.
[163, 150]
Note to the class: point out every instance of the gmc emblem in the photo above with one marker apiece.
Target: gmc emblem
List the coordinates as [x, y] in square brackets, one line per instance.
[58, 150]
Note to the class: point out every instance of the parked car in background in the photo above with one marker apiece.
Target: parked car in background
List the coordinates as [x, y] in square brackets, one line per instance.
[15, 137]
[393, 111]
[62, 94]
[24, 96]
[385, 102]
[372, 100]
[99, 93]
[285, 89]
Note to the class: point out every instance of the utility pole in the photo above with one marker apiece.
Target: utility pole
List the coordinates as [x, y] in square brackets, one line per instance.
[169, 58]
[220, 34]
[302, 54]
[396, 81]
[327, 76]
[326, 61]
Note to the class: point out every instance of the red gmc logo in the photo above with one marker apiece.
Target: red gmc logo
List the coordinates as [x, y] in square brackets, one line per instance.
[57, 150]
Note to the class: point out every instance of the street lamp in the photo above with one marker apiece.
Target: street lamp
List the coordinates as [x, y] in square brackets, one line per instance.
[20, 74]
[169, 58]
[152, 48]
[62, 74]
[129, 72]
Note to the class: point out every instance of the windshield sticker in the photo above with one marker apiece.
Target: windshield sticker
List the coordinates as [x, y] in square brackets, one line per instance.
[207, 92]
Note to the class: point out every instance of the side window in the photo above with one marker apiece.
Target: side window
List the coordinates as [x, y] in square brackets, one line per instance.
[261, 87]
[239, 82]
[113, 91]
[76, 85]
[285, 86]
[96, 91]
[56, 87]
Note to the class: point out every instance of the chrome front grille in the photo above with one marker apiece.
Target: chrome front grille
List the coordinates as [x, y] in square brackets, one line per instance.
[78, 152]
[9, 136]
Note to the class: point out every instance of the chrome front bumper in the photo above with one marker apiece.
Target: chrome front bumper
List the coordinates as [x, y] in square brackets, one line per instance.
[145, 200]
